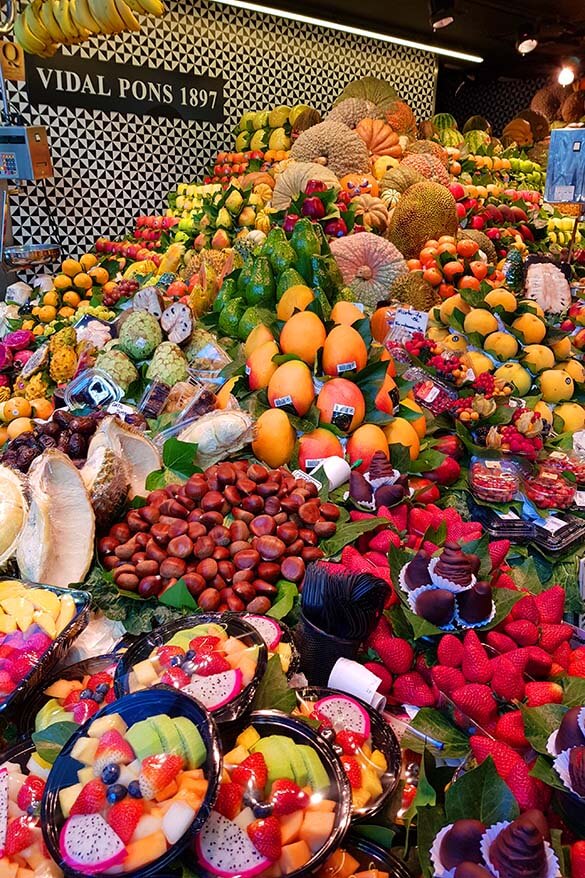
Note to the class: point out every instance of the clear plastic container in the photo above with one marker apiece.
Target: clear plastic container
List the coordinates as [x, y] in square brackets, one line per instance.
[548, 489]
[154, 399]
[433, 394]
[206, 358]
[94, 389]
[560, 461]
[495, 481]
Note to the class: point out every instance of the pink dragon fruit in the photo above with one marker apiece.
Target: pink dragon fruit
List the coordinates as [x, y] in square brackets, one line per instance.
[3, 808]
[5, 358]
[225, 850]
[344, 712]
[4, 381]
[89, 845]
[215, 691]
[19, 339]
[20, 358]
[269, 630]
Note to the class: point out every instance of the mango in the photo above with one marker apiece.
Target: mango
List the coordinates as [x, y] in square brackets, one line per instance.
[401, 432]
[363, 444]
[344, 351]
[291, 387]
[303, 334]
[342, 403]
[259, 365]
[317, 445]
[275, 438]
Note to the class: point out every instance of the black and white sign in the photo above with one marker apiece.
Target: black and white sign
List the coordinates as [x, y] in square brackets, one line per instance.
[73, 81]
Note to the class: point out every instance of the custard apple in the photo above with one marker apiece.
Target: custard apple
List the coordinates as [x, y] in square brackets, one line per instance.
[140, 334]
[169, 364]
[118, 366]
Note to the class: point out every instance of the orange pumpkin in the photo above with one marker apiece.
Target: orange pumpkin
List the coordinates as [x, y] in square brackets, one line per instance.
[256, 177]
[379, 137]
[360, 184]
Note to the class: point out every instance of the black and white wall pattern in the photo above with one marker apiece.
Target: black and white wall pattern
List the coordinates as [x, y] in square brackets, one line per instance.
[110, 167]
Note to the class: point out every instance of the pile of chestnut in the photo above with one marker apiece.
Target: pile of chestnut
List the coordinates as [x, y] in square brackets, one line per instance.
[230, 533]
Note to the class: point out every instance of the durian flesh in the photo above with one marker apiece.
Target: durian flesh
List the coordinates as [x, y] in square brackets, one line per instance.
[140, 456]
[13, 510]
[106, 479]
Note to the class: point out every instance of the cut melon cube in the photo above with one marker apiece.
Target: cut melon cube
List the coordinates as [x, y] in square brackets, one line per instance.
[290, 827]
[233, 646]
[84, 750]
[62, 688]
[46, 622]
[149, 824]
[248, 738]
[112, 722]
[341, 864]
[244, 818]
[84, 775]
[360, 798]
[235, 756]
[191, 797]
[371, 873]
[34, 855]
[316, 829]
[319, 804]
[146, 673]
[145, 851]
[177, 821]
[127, 775]
[24, 873]
[247, 668]
[167, 792]
[68, 796]
[294, 856]
[8, 869]
[7, 626]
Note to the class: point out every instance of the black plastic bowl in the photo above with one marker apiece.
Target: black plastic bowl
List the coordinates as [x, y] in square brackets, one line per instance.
[235, 626]
[268, 722]
[383, 739]
[133, 708]
[371, 855]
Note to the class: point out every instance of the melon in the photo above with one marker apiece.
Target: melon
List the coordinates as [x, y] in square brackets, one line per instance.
[294, 857]
[145, 851]
[290, 827]
[316, 829]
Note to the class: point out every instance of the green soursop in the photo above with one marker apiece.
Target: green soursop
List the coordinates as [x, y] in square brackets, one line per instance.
[140, 334]
[118, 366]
[169, 364]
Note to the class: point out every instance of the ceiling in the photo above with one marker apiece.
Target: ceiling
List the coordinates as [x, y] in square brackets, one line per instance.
[485, 27]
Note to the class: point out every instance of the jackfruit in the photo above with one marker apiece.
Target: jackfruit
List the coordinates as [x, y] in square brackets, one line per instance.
[425, 211]
[411, 289]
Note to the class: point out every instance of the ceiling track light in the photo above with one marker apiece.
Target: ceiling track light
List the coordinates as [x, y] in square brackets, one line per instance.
[349, 29]
[441, 13]
[526, 43]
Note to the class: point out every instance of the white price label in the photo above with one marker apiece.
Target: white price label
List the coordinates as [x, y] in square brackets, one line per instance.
[411, 320]
[508, 516]
[552, 524]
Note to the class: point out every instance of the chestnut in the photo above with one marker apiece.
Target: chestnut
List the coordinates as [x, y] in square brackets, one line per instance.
[270, 548]
[259, 605]
[195, 530]
[272, 506]
[147, 568]
[292, 569]
[239, 530]
[253, 503]
[262, 525]
[154, 551]
[221, 553]
[207, 568]
[209, 599]
[173, 567]
[220, 535]
[180, 547]
[325, 529]
[120, 532]
[150, 586]
[107, 545]
[211, 519]
[178, 528]
[287, 532]
[269, 571]
[203, 547]
[212, 501]
[195, 583]
[151, 514]
[268, 489]
[226, 474]
[257, 472]
[247, 558]
[173, 508]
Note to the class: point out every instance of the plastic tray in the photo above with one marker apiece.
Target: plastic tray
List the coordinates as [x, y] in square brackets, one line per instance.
[133, 709]
[383, 739]
[269, 722]
[234, 625]
[56, 651]
[561, 539]
[368, 852]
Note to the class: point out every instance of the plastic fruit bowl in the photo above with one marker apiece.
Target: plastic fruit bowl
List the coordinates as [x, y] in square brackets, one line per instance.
[153, 752]
[222, 675]
[368, 855]
[278, 639]
[378, 756]
[291, 807]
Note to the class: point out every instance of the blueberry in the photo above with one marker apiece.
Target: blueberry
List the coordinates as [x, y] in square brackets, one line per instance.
[116, 793]
[86, 693]
[110, 774]
[262, 810]
[175, 661]
[31, 810]
[190, 654]
[189, 667]
[102, 688]
[98, 697]
[134, 790]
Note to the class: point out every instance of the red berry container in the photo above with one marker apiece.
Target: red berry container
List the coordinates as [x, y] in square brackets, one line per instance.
[548, 489]
[495, 481]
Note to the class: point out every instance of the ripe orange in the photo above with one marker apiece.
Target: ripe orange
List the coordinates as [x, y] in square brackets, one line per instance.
[433, 276]
[427, 256]
[99, 275]
[446, 291]
[62, 282]
[448, 247]
[447, 239]
[87, 261]
[66, 311]
[479, 269]
[83, 281]
[47, 313]
[3, 436]
[467, 248]
[468, 283]
[51, 298]
[413, 264]
[42, 408]
[17, 407]
[452, 269]
[71, 298]
[18, 426]
[71, 267]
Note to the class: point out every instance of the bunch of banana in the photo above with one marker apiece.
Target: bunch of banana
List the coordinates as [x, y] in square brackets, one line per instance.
[43, 25]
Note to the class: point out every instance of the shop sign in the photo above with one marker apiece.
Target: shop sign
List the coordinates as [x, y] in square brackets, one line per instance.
[12, 61]
[72, 81]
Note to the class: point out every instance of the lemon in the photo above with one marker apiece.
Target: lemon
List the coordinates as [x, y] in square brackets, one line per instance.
[544, 411]
[556, 385]
[504, 298]
[516, 375]
[478, 362]
[449, 305]
[533, 306]
[537, 357]
[455, 342]
[572, 415]
[574, 368]
[562, 349]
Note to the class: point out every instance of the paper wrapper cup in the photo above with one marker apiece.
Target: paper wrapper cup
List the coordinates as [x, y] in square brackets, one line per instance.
[402, 582]
[413, 595]
[441, 582]
[439, 870]
[581, 720]
[461, 623]
[490, 835]
[561, 766]
[551, 744]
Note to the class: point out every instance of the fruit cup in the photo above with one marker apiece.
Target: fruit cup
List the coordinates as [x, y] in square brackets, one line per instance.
[278, 639]
[283, 806]
[363, 740]
[219, 659]
[132, 786]
[548, 489]
[362, 859]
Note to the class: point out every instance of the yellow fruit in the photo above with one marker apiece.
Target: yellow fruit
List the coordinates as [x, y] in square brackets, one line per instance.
[303, 334]
[556, 385]
[574, 368]
[455, 342]
[28, 324]
[71, 267]
[66, 311]
[531, 327]
[436, 334]
[450, 304]
[291, 386]
[62, 282]
[47, 313]
[223, 396]
[259, 336]
[42, 408]
[516, 375]
[39, 329]
[99, 275]
[420, 424]
[71, 298]
[17, 407]
[534, 307]
[478, 362]
[572, 415]
[481, 321]
[562, 349]
[346, 312]
[504, 298]
[363, 444]
[87, 261]
[296, 298]
[274, 440]
[3, 436]
[259, 365]
[51, 298]
[83, 281]
[401, 432]
[544, 411]
[18, 426]
[537, 357]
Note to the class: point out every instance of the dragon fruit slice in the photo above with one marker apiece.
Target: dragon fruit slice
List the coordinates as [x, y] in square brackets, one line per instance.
[19, 339]
[3, 808]
[89, 845]
[215, 691]
[268, 629]
[344, 713]
[5, 358]
[225, 850]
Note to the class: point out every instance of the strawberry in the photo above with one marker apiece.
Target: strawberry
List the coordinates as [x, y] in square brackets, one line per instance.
[382, 542]
[350, 742]
[124, 816]
[354, 562]
[102, 677]
[551, 636]
[175, 677]
[526, 609]
[447, 679]
[83, 710]
[507, 681]
[450, 651]
[72, 699]
[377, 558]
[91, 799]
[352, 768]
[543, 692]
[287, 797]
[505, 759]
[19, 835]
[525, 633]
[538, 662]
[577, 662]
[396, 653]
[551, 605]
[476, 700]
[504, 580]
[252, 772]
[498, 551]
[229, 800]
[110, 696]
[398, 516]
[157, 772]
[209, 663]
[383, 675]
[422, 667]
[411, 689]
[21, 667]
[112, 748]
[578, 859]
[528, 791]
[500, 642]
[419, 521]
[204, 644]
[510, 729]
[519, 658]
[266, 837]
[562, 655]
[476, 665]
[30, 793]
[165, 653]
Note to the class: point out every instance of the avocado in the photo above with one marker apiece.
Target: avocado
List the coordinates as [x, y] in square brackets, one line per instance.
[318, 777]
[306, 243]
[193, 747]
[261, 288]
[244, 277]
[144, 739]
[289, 278]
[165, 729]
[276, 758]
[230, 317]
[228, 290]
[281, 257]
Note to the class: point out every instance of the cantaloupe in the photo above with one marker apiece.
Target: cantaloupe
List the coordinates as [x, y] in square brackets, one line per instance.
[340, 864]
[325, 805]
[8, 869]
[290, 826]
[316, 829]
[145, 850]
[294, 857]
[62, 688]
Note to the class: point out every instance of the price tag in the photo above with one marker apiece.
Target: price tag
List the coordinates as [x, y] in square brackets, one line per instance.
[508, 516]
[410, 320]
[579, 498]
[299, 474]
[431, 394]
[119, 408]
[557, 455]
[552, 524]
[564, 193]
[492, 464]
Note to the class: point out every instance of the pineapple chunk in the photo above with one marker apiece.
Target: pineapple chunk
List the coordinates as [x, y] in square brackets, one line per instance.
[84, 775]
[44, 600]
[21, 610]
[284, 651]
[46, 622]
[66, 614]
[84, 750]
[68, 796]
[379, 761]
[248, 738]
[236, 756]
[360, 798]
[7, 624]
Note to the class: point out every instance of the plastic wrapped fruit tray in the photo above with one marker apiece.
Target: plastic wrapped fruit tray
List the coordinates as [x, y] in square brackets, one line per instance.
[143, 649]
[57, 650]
[286, 639]
[134, 709]
[373, 856]
[383, 739]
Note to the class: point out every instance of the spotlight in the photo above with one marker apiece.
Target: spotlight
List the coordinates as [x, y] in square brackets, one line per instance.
[441, 13]
[526, 43]
[566, 75]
